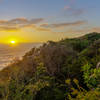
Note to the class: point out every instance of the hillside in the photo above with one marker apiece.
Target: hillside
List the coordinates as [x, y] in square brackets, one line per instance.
[63, 70]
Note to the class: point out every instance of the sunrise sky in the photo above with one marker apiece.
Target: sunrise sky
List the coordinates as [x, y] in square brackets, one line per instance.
[43, 20]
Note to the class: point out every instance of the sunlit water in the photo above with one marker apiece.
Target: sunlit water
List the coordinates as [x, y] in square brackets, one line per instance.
[10, 52]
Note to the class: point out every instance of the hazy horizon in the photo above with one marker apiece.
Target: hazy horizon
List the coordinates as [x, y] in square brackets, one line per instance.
[10, 52]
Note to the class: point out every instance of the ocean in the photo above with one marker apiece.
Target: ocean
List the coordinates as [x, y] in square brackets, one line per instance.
[10, 52]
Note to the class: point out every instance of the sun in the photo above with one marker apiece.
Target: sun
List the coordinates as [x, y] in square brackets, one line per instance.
[12, 42]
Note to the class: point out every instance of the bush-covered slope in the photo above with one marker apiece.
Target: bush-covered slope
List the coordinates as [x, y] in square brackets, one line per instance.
[50, 71]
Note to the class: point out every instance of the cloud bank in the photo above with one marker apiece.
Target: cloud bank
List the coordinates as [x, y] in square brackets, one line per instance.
[22, 23]
[59, 25]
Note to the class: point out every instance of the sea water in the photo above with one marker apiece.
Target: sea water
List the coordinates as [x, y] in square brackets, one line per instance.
[9, 52]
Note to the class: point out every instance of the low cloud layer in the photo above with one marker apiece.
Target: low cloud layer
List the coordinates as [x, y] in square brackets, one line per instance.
[40, 26]
[21, 21]
[67, 24]
[18, 23]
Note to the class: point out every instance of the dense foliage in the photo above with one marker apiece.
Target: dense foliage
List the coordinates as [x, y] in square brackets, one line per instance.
[64, 70]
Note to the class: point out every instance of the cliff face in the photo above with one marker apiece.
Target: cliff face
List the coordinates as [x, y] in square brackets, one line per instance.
[48, 67]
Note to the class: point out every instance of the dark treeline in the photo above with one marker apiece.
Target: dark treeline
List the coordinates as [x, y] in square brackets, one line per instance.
[64, 70]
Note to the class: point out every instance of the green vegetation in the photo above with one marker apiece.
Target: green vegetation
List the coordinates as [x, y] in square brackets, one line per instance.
[64, 70]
